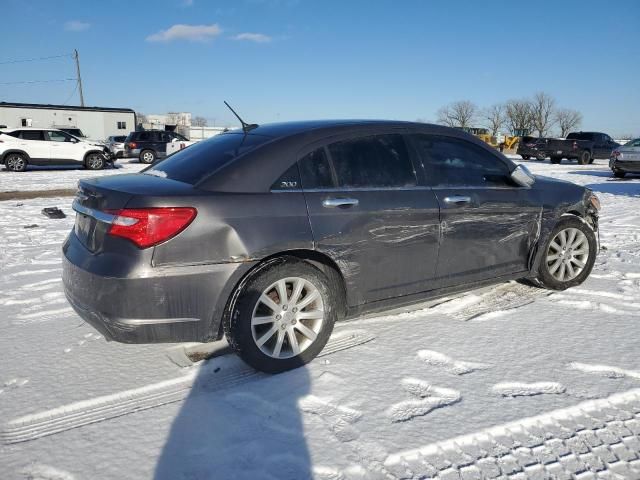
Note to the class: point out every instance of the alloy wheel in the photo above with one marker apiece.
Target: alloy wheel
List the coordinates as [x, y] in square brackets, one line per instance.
[15, 162]
[287, 317]
[568, 254]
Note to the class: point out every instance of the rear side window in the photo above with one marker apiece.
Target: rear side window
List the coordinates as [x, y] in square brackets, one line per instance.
[193, 164]
[32, 135]
[144, 136]
[451, 162]
[375, 161]
[315, 171]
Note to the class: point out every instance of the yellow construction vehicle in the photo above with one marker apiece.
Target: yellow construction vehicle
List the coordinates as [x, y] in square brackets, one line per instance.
[501, 142]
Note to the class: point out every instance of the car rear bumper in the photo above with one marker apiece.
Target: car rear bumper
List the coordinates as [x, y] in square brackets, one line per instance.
[172, 304]
[630, 166]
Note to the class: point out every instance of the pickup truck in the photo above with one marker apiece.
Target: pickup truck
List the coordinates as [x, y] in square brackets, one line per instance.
[581, 146]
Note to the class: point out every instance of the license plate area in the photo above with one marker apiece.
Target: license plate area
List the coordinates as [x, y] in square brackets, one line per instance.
[89, 231]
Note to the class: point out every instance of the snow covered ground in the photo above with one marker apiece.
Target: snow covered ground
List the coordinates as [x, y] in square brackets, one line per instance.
[508, 380]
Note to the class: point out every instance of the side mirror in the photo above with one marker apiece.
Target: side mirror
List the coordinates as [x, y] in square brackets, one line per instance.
[522, 176]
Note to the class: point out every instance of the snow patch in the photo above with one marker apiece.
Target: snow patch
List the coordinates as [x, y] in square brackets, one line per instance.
[337, 418]
[45, 472]
[429, 398]
[518, 389]
[604, 370]
[457, 367]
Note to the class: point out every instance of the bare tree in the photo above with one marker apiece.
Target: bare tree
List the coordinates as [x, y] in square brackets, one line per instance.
[519, 117]
[567, 120]
[458, 114]
[542, 113]
[199, 122]
[495, 117]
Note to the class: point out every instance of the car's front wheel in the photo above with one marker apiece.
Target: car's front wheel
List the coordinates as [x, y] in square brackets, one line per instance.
[94, 161]
[584, 158]
[283, 316]
[619, 174]
[569, 254]
[525, 157]
[16, 162]
[540, 156]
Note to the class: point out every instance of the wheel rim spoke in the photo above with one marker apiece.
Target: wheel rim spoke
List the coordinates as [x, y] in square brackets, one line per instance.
[307, 332]
[579, 263]
[279, 342]
[561, 271]
[308, 299]
[297, 290]
[293, 340]
[570, 271]
[555, 266]
[262, 320]
[555, 245]
[310, 315]
[263, 339]
[281, 287]
[269, 303]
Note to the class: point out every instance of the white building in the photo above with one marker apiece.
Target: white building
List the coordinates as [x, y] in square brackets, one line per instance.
[95, 122]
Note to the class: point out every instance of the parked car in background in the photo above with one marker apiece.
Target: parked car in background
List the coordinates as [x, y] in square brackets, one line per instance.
[115, 144]
[76, 132]
[581, 146]
[532, 147]
[150, 145]
[270, 234]
[626, 159]
[21, 147]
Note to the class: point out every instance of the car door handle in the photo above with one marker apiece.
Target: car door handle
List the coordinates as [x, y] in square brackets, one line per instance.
[457, 199]
[340, 202]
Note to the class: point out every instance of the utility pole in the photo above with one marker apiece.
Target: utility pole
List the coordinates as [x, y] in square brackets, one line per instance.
[77, 59]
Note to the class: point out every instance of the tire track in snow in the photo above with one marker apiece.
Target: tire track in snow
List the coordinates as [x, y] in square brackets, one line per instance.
[99, 409]
[339, 419]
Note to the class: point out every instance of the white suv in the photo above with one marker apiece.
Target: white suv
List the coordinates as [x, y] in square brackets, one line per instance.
[20, 147]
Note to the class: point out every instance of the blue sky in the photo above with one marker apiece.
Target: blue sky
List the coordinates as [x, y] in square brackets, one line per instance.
[279, 60]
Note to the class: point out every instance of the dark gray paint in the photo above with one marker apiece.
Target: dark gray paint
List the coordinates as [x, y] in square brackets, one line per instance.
[395, 247]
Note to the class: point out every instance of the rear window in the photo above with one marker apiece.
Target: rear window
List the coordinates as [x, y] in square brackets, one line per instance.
[119, 139]
[579, 136]
[203, 158]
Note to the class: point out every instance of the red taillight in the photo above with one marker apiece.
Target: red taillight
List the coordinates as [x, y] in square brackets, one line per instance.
[147, 227]
[132, 145]
[616, 154]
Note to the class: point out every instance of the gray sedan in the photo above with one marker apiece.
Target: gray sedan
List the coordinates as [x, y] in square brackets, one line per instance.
[270, 234]
[626, 159]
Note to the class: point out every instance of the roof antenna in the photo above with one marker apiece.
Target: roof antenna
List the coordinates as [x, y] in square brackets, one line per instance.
[246, 127]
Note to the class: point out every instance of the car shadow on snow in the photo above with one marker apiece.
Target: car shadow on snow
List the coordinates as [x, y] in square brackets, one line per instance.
[627, 187]
[237, 423]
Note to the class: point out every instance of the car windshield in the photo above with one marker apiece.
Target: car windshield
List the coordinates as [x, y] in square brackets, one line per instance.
[633, 143]
[194, 163]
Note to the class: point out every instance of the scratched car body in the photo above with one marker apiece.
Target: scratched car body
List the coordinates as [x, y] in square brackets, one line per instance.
[270, 234]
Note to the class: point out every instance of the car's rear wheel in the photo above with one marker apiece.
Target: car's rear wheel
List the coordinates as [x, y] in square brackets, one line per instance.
[16, 162]
[94, 161]
[525, 157]
[619, 174]
[540, 156]
[584, 158]
[556, 160]
[569, 254]
[147, 156]
[283, 316]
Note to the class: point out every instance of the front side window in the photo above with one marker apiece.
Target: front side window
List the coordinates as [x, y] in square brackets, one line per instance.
[56, 136]
[32, 135]
[315, 171]
[451, 162]
[375, 161]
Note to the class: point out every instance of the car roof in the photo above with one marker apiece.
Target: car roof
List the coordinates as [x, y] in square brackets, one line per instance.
[13, 129]
[256, 170]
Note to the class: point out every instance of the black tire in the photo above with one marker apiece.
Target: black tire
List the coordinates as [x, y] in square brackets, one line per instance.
[16, 162]
[237, 322]
[556, 160]
[525, 157]
[541, 156]
[94, 161]
[544, 277]
[147, 156]
[584, 158]
[619, 174]
[591, 160]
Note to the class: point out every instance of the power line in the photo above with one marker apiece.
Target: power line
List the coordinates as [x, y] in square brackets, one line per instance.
[72, 94]
[40, 81]
[36, 59]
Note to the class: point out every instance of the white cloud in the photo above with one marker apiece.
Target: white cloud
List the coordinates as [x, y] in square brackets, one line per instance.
[76, 26]
[253, 37]
[191, 33]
